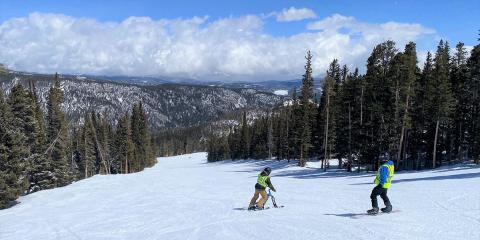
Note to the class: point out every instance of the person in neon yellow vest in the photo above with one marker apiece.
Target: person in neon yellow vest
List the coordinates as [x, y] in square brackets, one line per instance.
[383, 180]
[263, 181]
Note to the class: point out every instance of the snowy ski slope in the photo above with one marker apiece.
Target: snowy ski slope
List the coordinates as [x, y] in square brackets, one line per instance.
[185, 198]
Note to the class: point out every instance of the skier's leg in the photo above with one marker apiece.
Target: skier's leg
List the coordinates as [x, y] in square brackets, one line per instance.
[388, 205]
[263, 199]
[254, 199]
[375, 192]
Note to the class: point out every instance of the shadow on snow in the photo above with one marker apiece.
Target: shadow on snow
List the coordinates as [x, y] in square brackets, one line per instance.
[445, 177]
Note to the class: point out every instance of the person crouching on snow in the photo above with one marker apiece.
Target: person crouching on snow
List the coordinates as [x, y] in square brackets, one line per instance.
[263, 181]
[383, 181]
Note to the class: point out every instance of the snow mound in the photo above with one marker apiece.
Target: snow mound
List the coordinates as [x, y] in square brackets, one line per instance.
[184, 197]
[281, 92]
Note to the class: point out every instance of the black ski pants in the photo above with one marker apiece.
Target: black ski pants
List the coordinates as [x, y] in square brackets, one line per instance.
[379, 190]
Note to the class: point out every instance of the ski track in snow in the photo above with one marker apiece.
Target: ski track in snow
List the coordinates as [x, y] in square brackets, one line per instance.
[185, 198]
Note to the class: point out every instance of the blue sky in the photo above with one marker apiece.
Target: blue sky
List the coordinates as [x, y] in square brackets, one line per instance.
[424, 22]
[454, 20]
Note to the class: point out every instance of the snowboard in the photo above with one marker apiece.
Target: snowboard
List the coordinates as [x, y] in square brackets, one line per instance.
[266, 208]
[380, 212]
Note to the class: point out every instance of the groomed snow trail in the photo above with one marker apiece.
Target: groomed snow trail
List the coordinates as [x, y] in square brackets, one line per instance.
[185, 198]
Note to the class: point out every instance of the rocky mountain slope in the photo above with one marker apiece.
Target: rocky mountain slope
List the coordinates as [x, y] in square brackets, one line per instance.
[167, 105]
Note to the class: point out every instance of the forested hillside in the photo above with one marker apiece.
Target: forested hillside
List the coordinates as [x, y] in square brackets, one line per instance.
[421, 118]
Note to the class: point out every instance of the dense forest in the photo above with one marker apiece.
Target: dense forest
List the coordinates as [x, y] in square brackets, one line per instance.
[40, 151]
[421, 118]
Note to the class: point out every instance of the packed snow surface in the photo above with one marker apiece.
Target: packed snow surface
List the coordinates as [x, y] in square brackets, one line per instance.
[281, 92]
[184, 197]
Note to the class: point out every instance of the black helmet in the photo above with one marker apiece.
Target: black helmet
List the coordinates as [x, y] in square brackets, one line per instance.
[384, 157]
[267, 170]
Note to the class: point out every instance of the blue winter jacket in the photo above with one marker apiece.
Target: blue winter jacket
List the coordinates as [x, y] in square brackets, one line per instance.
[384, 172]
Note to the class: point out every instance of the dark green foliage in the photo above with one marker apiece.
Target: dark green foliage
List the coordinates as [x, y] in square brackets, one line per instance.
[123, 146]
[41, 173]
[58, 136]
[35, 156]
[307, 109]
[420, 118]
[439, 103]
[10, 147]
[472, 88]
[142, 153]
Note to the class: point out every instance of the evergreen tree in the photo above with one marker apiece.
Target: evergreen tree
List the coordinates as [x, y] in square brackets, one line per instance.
[244, 138]
[57, 135]
[327, 111]
[439, 98]
[419, 137]
[28, 124]
[307, 111]
[87, 149]
[472, 87]
[40, 172]
[405, 79]
[123, 146]
[378, 106]
[458, 77]
[12, 152]
[143, 156]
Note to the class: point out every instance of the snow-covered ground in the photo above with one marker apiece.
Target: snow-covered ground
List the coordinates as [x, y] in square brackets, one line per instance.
[281, 92]
[184, 198]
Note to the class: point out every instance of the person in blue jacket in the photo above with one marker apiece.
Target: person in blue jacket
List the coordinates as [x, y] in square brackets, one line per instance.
[383, 180]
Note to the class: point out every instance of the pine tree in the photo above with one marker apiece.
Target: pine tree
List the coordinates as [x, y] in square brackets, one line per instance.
[11, 153]
[244, 138]
[26, 123]
[141, 139]
[57, 135]
[458, 77]
[404, 68]
[40, 173]
[307, 111]
[378, 105]
[472, 87]
[87, 149]
[419, 140]
[440, 99]
[123, 146]
[327, 111]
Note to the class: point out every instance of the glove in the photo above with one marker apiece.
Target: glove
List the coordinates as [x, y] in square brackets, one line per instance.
[273, 189]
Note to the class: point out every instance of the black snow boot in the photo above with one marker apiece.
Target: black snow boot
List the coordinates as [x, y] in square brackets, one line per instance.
[373, 211]
[387, 209]
[251, 208]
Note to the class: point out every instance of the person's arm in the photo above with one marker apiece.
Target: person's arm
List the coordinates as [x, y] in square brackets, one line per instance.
[270, 185]
[383, 175]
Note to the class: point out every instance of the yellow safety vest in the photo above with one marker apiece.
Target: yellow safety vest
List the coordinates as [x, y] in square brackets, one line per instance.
[262, 180]
[391, 170]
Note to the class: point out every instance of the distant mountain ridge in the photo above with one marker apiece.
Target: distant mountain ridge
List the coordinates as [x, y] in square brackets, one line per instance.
[168, 105]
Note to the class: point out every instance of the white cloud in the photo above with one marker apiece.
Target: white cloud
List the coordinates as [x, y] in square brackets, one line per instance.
[295, 14]
[200, 48]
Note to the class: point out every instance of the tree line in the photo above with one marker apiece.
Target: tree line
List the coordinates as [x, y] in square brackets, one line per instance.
[40, 151]
[421, 118]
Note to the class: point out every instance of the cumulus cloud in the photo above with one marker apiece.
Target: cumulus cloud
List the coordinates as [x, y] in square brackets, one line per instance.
[295, 14]
[235, 48]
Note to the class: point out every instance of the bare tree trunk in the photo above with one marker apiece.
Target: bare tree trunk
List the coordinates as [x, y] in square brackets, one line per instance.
[326, 128]
[399, 153]
[361, 109]
[435, 145]
[85, 154]
[301, 162]
[99, 146]
[270, 138]
[349, 138]
[288, 145]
